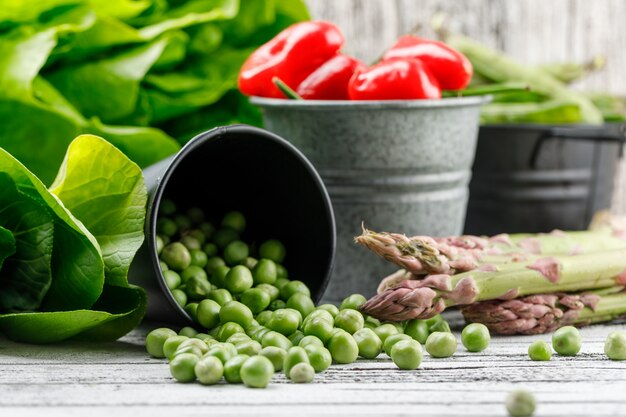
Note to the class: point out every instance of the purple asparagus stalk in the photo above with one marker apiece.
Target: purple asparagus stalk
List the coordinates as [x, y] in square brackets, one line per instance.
[543, 313]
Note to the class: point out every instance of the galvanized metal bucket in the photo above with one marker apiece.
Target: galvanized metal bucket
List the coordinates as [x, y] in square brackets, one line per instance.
[248, 169]
[537, 178]
[392, 165]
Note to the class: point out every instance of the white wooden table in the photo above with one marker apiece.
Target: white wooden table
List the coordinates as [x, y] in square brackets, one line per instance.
[119, 379]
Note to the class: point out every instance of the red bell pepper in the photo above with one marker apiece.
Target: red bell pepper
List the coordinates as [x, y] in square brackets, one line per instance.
[291, 55]
[330, 80]
[396, 79]
[451, 68]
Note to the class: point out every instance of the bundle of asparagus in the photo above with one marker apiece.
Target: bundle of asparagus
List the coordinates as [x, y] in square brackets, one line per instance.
[512, 283]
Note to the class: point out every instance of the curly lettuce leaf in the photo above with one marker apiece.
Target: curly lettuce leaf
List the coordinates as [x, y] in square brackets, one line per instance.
[105, 190]
[26, 275]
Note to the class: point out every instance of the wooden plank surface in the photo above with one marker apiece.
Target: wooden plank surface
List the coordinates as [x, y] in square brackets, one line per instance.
[120, 379]
[532, 31]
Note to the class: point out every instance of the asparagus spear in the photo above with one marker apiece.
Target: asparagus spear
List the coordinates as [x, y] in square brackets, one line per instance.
[426, 255]
[544, 313]
[426, 297]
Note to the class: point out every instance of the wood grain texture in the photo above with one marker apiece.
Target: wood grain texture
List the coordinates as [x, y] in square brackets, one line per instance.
[120, 379]
[532, 31]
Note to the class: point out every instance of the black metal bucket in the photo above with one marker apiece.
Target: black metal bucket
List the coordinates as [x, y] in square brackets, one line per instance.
[536, 178]
[258, 173]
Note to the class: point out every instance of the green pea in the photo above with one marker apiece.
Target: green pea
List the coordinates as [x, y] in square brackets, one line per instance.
[293, 287]
[353, 301]
[615, 346]
[192, 310]
[320, 314]
[433, 320]
[203, 336]
[198, 258]
[232, 368]
[172, 279]
[176, 256]
[475, 337]
[310, 340]
[228, 329]
[193, 271]
[234, 220]
[281, 282]
[406, 354]
[180, 297]
[277, 305]
[210, 249]
[219, 276]
[221, 296]
[417, 329]
[540, 350]
[191, 243]
[250, 263]
[257, 371]
[209, 370]
[194, 350]
[238, 338]
[264, 317]
[273, 338]
[302, 303]
[197, 288]
[296, 337]
[236, 312]
[208, 313]
[258, 333]
[566, 341]
[212, 264]
[281, 272]
[236, 252]
[256, 299]
[159, 244]
[319, 357]
[188, 331]
[385, 330]
[441, 344]
[371, 322]
[193, 341]
[238, 279]
[320, 328]
[368, 342]
[520, 403]
[276, 355]
[182, 367]
[208, 229]
[264, 272]
[392, 340]
[343, 348]
[224, 236]
[221, 352]
[163, 266]
[182, 222]
[302, 373]
[166, 227]
[171, 344]
[272, 249]
[295, 355]
[271, 290]
[349, 320]
[331, 308]
[155, 340]
[167, 207]
[440, 326]
[284, 321]
[251, 347]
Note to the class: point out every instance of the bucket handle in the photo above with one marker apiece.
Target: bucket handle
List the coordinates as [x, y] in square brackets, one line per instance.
[584, 133]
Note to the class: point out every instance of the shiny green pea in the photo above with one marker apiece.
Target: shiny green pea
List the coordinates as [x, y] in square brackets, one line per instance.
[156, 339]
[368, 342]
[182, 367]
[232, 368]
[208, 313]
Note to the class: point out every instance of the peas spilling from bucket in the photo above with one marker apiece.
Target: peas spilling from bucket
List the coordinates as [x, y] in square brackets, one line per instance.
[252, 318]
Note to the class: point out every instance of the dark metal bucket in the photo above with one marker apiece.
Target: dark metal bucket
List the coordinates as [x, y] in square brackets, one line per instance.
[536, 178]
[254, 171]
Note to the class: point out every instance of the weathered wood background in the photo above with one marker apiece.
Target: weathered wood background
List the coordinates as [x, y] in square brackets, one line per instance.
[533, 31]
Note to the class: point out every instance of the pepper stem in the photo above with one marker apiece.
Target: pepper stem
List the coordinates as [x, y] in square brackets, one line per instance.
[285, 89]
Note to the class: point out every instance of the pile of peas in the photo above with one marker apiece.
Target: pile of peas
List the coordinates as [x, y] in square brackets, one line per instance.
[257, 321]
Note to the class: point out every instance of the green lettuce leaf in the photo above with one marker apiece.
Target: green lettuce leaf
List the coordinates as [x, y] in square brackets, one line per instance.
[7, 244]
[105, 190]
[26, 274]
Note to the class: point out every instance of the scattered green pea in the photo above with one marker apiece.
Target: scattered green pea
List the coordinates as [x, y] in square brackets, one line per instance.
[417, 329]
[353, 302]
[302, 303]
[210, 249]
[176, 256]
[296, 337]
[406, 354]
[155, 340]
[441, 344]
[566, 341]
[475, 337]
[293, 287]
[166, 227]
[250, 263]
[250, 348]
[318, 327]
[319, 357]
[256, 299]
[228, 329]
[232, 368]
[302, 373]
[330, 308]
[182, 367]
[273, 338]
[197, 288]
[264, 317]
[615, 346]
[192, 310]
[349, 320]
[238, 338]
[295, 354]
[234, 220]
[163, 266]
[276, 355]
[520, 403]
[198, 258]
[310, 340]
[440, 326]
[212, 264]
[257, 371]
[191, 243]
[222, 351]
[188, 331]
[159, 244]
[540, 350]
[172, 279]
[271, 290]
[284, 321]
[392, 340]
[236, 252]
[343, 348]
[264, 272]
[368, 342]
[236, 312]
[171, 344]
[238, 279]
[385, 330]
[272, 249]
[281, 272]
[221, 296]
[208, 313]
